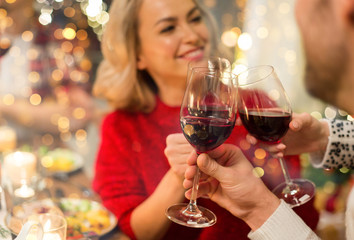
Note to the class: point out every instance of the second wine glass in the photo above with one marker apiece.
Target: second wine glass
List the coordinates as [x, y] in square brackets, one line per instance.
[207, 118]
[265, 111]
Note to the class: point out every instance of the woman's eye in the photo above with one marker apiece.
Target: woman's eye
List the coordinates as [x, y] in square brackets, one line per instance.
[167, 29]
[196, 19]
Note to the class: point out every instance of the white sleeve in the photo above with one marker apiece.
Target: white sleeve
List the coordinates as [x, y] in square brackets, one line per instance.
[340, 148]
[283, 224]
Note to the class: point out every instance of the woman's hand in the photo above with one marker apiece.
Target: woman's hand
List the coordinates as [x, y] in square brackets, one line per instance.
[229, 180]
[306, 134]
[177, 152]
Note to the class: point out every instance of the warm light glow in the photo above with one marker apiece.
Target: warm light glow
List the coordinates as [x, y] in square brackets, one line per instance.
[33, 77]
[316, 115]
[57, 75]
[27, 36]
[244, 145]
[94, 8]
[229, 38]
[47, 161]
[32, 54]
[15, 51]
[79, 113]
[260, 153]
[63, 123]
[103, 18]
[47, 139]
[262, 32]
[245, 41]
[258, 172]
[35, 99]
[69, 12]
[290, 56]
[67, 46]
[81, 135]
[69, 33]
[330, 113]
[65, 136]
[58, 34]
[8, 99]
[239, 68]
[81, 35]
[45, 18]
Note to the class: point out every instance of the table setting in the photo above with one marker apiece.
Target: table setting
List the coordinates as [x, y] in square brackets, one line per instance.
[42, 188]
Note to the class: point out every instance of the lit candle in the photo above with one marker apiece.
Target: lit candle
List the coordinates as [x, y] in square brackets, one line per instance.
[24, 191]
[20, 167]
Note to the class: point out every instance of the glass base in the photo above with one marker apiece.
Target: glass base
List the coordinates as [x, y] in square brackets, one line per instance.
[200, 218]
[299, 192]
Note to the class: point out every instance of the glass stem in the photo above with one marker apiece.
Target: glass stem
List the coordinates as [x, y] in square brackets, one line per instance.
[284, 168]
[192, 206]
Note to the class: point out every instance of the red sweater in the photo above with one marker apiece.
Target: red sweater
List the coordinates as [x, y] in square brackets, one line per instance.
[131, 162]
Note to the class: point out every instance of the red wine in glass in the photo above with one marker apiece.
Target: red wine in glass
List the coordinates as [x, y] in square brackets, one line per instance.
[207, 117]
[265, 111]
[266, 125]
[205, 134]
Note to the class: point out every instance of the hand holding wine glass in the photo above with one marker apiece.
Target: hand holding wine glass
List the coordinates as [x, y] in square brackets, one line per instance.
[207, 118]
[265, 111]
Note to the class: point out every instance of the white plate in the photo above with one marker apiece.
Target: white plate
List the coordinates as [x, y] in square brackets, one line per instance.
[75, 160]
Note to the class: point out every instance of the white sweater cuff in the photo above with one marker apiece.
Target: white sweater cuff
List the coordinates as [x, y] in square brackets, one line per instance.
[283, 224]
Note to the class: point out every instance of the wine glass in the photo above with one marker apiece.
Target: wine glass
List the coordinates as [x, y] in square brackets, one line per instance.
[207, 117]
[265, 111]
[212, 62]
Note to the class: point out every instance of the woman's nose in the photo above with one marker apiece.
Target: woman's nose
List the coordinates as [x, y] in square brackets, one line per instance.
[190, 34]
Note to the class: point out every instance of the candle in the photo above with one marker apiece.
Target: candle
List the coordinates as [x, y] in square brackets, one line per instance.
[20, 167]
[7, 139]
[24, 191]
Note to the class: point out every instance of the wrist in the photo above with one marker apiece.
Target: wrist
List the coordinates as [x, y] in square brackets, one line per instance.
[325, 134]
[262, 211]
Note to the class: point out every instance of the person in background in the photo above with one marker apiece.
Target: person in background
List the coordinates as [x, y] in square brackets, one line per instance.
[139, 170]
[327, 29]
[44, 80]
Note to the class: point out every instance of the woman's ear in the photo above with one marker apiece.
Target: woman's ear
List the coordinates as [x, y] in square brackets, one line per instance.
[348, 11]
[141, 63]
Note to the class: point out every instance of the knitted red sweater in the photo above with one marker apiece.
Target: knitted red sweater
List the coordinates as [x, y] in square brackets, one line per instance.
[131, 162]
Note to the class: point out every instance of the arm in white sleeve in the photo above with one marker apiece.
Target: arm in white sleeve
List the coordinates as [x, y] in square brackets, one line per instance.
[283, 224]
[340, 148]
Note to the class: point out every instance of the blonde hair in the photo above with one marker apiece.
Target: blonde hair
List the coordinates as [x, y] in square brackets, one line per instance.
[118, 78]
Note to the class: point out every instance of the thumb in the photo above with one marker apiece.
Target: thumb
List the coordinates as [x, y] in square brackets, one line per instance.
[209, 166]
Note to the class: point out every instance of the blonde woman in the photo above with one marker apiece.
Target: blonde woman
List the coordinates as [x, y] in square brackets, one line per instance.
[140, 166]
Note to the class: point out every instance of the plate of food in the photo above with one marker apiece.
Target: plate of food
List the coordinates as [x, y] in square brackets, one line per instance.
[84, 217]
[62, 160]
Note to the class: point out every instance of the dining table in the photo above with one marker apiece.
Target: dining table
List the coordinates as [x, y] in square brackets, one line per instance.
[76, 185]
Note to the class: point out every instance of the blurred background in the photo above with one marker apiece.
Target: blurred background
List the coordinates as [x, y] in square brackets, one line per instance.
[256, 31]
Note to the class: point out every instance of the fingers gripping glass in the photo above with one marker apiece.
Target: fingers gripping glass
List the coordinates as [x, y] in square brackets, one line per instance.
[207, 118]
[265, 111]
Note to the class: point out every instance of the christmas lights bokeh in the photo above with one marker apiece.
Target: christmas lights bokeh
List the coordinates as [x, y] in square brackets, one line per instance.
[259, 32]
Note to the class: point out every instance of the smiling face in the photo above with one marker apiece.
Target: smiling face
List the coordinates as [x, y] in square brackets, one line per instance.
[171, 33]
